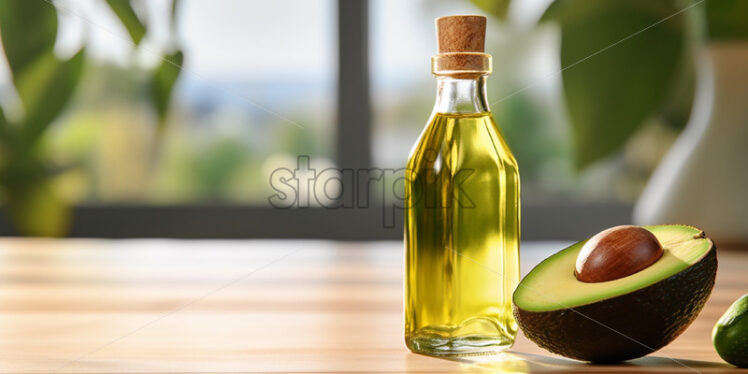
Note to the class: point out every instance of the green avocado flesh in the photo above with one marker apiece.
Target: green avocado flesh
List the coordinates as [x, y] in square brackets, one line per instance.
[624, 318]
[552, 285]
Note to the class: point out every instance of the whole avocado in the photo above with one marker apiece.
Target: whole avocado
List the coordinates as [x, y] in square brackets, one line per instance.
[730, 334]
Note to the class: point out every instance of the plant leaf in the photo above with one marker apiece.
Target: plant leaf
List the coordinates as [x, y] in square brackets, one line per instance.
[175, 4]
[496, 8]
[5, 142]
[727, 19]
[4, 130]
[162, 83]
[37, 210]
[45, 87]
[619, 65]
[676, 110]
[28, 29]
[126, 14]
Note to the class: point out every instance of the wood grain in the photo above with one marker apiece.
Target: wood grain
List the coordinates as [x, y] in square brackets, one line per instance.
[94, 306]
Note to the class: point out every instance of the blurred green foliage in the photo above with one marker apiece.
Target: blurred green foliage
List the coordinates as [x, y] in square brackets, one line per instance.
[212, 170]
[727, 19]
[625, 62]
[497, 8]
[162, 83]
[45, 84]
[126, 14]
[614, 81]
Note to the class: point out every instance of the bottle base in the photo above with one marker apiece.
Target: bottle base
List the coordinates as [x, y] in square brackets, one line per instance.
[435, 345]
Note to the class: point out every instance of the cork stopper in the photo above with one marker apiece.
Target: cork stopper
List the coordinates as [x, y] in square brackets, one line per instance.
[461, 33]
[460, 46]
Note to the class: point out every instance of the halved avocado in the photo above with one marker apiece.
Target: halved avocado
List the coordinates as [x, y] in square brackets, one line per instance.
[624, 318]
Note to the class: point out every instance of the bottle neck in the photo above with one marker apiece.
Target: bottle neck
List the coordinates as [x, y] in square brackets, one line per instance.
[461, 95]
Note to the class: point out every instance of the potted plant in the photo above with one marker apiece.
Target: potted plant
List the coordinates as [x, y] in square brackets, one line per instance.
[625, 62]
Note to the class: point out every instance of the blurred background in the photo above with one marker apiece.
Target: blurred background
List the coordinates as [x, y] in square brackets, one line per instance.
[167, 118]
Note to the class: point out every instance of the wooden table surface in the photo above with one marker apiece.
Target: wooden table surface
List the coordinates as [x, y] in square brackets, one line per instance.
[90, 306]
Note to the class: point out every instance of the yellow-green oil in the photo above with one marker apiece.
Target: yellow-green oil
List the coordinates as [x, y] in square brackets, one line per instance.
[461, 238]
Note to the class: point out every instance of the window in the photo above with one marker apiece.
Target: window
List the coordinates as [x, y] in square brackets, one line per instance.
[256, 89]
[346, 83]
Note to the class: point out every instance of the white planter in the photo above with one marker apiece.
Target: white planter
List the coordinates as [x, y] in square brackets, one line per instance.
[703, 180]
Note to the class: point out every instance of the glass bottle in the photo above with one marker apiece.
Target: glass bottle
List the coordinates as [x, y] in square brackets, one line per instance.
[462, 210]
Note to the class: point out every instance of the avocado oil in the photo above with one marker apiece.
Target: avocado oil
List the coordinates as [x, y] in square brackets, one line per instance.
[462, 210]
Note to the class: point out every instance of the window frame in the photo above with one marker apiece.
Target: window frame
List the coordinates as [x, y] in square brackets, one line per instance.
[546, 221]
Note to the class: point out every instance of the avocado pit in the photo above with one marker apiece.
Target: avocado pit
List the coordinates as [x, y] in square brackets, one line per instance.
[617, 252]
[621, 319]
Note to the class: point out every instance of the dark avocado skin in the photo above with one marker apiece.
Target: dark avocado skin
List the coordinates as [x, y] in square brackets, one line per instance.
[645, 320]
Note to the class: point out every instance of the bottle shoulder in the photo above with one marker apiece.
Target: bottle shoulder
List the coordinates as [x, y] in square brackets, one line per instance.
[461, 140]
